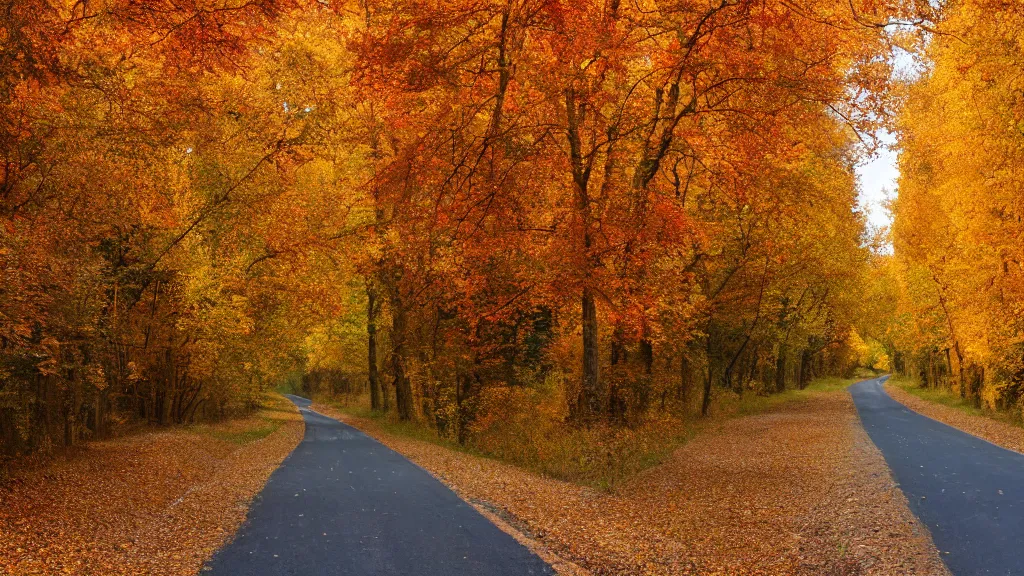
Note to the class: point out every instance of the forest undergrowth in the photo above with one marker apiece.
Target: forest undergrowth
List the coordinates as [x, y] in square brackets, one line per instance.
[599, 456]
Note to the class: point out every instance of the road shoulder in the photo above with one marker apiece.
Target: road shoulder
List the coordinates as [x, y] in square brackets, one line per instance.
[999, 433]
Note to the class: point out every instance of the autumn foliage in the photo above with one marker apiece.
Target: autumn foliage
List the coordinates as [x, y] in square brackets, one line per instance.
[595, 213]
[954, 284]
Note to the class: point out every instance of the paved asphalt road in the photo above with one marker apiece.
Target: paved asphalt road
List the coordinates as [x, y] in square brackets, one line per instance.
[344, 504]
[969, 493]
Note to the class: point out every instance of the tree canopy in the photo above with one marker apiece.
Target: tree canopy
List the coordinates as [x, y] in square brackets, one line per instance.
[955, 278]
[472, 210]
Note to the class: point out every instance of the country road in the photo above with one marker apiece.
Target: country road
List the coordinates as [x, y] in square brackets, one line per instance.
[969, 492]
[344, 504]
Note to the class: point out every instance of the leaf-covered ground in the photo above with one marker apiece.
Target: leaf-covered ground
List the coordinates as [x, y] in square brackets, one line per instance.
[799, 489]
[961, 416]
[155, 503]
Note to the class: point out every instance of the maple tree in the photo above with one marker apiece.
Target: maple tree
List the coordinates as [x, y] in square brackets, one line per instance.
[628, 137]
[602, 211]
[128, 189]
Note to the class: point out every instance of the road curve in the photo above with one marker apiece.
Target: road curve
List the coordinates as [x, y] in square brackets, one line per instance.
[969, 492]
[342, 504]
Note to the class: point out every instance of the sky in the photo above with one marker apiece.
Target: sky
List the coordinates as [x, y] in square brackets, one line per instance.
[877, 176]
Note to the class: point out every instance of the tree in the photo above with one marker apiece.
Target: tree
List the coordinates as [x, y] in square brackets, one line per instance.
[956, 218]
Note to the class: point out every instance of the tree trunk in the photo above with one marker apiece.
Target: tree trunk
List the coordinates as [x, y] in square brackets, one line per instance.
[616, 410]
[467, 387]
[780, 370]
[399, 353]
[960, 365]
[371, 348]
[647, 355]
[729, 370]
[461, 391]
[805, 368]
[591, 400]
[169, 380]
[753, 363]
[101, 414]
[705, 402]
[685, 376]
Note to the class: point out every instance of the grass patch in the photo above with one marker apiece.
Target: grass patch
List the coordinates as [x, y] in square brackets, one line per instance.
[265, 421]
[832, 384]
[937, 395]
[248, 434]
[950, 399]
[729, 404]
[600, 456]
[289, 386]
[358, 407]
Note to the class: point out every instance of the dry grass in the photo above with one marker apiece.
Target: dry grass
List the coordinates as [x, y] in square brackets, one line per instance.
[155, 503]
[798, 489]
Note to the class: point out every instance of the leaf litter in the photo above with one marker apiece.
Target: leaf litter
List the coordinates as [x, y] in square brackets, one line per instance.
[797, 490]
[152, 503]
